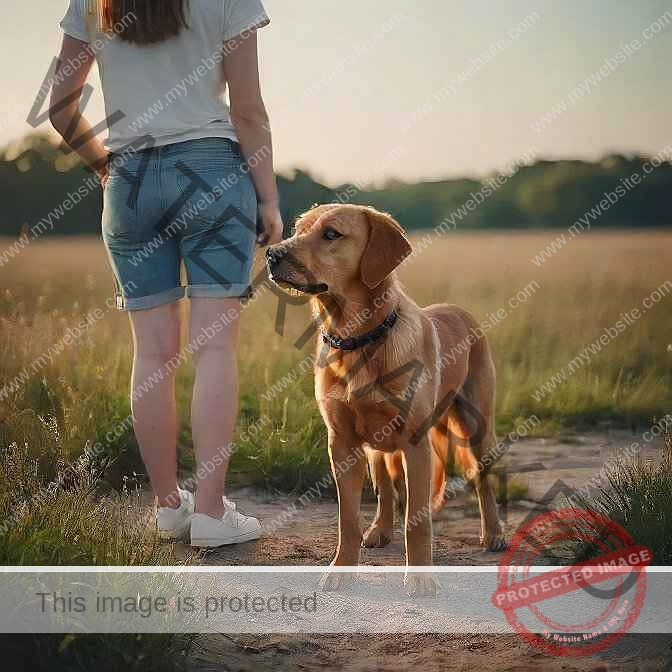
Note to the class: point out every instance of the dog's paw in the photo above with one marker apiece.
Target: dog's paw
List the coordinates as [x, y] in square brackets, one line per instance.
[376, 537]
[421, 584]
[332, 581]
[494, 540]
[494, 544]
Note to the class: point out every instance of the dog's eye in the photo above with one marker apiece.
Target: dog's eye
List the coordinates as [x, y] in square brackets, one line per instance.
[331, 234]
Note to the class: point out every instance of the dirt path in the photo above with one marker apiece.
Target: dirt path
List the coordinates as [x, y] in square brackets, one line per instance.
[306, 535]
[424, 653]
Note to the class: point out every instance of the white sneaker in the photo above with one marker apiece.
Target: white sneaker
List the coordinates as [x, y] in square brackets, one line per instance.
[228, 504]
[174, 523]
[232, 528]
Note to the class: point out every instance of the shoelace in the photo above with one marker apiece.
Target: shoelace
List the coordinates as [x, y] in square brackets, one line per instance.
[232, 517]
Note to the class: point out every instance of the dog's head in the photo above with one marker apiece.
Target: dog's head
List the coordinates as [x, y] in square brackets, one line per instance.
[336, 248]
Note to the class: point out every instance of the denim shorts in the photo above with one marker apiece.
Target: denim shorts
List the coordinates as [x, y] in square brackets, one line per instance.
[190, 203]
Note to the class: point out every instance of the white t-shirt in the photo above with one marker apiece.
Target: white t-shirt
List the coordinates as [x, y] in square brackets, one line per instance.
[172, 90]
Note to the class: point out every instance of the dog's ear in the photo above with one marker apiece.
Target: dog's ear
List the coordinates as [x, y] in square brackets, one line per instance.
[386, 248]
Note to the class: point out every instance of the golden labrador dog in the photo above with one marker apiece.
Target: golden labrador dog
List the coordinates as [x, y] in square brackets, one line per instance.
[399, 385]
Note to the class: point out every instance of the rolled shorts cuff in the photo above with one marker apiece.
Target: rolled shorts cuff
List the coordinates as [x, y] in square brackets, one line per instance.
[151, 300]
[217, 291]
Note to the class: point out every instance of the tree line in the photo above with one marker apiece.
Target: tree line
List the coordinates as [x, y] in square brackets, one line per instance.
[37, 178]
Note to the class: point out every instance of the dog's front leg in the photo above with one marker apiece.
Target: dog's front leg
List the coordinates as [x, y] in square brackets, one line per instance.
[348, 466]
[418, 528]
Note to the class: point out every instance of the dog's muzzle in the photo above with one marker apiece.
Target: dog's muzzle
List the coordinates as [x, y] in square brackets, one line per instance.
[290, 274]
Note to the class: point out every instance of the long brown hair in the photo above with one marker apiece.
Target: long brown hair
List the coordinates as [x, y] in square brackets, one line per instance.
[150, 22]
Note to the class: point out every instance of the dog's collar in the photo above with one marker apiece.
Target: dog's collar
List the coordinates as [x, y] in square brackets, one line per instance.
[357, 342]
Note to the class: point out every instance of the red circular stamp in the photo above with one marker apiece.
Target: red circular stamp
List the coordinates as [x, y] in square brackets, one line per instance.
[574, 610]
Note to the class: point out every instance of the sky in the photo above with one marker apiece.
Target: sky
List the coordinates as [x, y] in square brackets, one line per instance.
[358, 125]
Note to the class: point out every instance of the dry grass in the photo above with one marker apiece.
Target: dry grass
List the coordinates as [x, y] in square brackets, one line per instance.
[46, 422]
[582, 290]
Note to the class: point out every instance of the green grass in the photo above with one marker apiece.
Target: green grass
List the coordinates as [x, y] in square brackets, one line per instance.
[49, 520]
[75, 400]
[103, 653]
[68, 525]
[65, 527]
[516, 491]
[637, 497]
[83, 394]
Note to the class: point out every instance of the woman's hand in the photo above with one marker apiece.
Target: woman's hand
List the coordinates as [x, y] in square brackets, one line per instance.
[271, 220]
[103, 176]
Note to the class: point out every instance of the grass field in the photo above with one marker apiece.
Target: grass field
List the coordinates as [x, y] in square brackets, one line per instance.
[562, 307]
[59, 397]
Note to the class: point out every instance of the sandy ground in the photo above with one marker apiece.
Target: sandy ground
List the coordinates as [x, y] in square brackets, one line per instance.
[428, 653]
[308, 537]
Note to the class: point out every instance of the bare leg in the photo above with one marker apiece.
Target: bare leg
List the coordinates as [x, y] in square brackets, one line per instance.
[214, 403]
[156, 338]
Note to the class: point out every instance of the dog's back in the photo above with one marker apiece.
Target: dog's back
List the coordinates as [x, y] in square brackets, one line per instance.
[462, 343]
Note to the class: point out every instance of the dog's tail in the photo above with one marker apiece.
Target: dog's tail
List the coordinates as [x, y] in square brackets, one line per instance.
[446, 456]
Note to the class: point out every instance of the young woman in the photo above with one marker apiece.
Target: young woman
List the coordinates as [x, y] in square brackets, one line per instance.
[183, 176]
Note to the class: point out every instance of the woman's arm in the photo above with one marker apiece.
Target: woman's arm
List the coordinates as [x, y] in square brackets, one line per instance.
[240, 68]
[69, 122]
